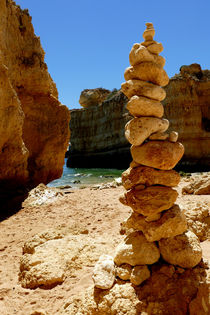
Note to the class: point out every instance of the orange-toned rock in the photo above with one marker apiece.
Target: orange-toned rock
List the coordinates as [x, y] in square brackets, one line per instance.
[171, 223]
[159, 136]
[163, 155]
[37, 133]
[155, 48]
[136, 250]
[140, 53]
[142, 88]
[139, 129]
[151, 200]
[147, 71]
[143, 106]
[149, 176]
[182, 250]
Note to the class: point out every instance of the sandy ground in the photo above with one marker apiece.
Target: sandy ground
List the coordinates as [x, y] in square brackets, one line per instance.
[97, 211]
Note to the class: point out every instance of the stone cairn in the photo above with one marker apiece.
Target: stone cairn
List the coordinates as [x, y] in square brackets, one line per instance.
[157, 227]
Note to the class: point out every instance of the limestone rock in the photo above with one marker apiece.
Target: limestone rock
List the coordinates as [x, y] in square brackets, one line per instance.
[182, 250]
[136, 250]
[140, 53]
[142, 88]
[143, 106]
[147, 71]
[159, 136]
[165, 292]
[104, 272]
[149, 33]
[149, 176]
[139, 129]
[35, 137]
[198, 218]
[150, 200]
[124, 271]
[173, 137]
[187, 108]
[199, 185]
[139, 274]
[155, 48]
[171, 223]
[163, 155]
[93, 97]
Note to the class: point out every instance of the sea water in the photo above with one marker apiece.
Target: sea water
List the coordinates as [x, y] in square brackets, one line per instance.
[78, 177]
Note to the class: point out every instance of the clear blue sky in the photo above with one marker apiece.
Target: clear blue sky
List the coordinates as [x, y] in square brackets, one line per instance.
[87, 42]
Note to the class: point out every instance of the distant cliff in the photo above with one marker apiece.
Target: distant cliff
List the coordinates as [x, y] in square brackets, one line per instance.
[97, 133]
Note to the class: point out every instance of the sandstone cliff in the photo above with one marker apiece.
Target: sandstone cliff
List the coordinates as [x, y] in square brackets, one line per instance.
[34, 130]
[97, 135]
[97, 131]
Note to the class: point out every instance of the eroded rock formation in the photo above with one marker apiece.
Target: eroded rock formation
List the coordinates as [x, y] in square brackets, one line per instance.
[97, 135]
[34, 132]
[93, 97]
[187, 106]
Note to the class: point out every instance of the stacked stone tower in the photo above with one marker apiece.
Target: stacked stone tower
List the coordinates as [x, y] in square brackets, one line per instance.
[157, 227]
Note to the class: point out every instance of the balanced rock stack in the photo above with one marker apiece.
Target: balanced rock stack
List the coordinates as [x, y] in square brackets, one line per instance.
[157, 227]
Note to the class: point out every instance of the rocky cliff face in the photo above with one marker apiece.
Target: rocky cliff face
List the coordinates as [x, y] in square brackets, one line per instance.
[187, 106]
[99, 130]
[97, 135]
[34, 130]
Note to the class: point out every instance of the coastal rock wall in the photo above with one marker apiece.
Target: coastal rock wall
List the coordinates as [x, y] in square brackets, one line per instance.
[187, 106]
[35, 129]
[98, 132]
[97, 135]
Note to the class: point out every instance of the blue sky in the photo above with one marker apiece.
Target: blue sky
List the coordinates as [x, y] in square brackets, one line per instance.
[87, 42]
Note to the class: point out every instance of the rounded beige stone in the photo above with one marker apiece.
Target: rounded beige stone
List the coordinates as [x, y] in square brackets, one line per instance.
[147, 71]
[171, 223]
[155, 48]
[147, 43]
[173, 137]
[136, 250]
[140, 53]
[182, 250]
[104, 272]
[163, 155]
[149, 176]
[151, 200]
[142, 88]
[143, 106]
[124, 271]
[138, 129]
[139, 274]
[159, 136]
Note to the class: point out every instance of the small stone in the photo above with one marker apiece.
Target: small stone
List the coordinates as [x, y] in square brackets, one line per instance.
[155, 48]
[149, 33]
[142, 88]
[149, 176]
[124, 271]
[159, 136]
[173, 137]
[150, 200]
[104, 272]
[136, 250]
[163, 155]
[143, 106]
[137, 130]
[140, 53]
[171, 223]
[133, 164]
[147, 71]
[139, 274]
[182, 250]
[153, 217]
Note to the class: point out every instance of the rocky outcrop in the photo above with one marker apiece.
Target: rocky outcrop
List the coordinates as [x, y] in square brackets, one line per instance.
[93, 97]
[34, 132]
[187, 106]
[97, 135]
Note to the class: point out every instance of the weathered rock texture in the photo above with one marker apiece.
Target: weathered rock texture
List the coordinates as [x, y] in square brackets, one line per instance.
[187, 107]
[97, 135]
[34, 133]
[93, 97]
